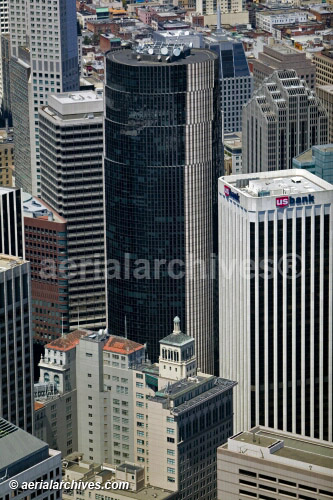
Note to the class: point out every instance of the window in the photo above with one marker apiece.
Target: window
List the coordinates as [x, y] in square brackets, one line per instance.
[170, 470]
[170, 452]
[171, 461]
[139, 384]
[171, 479]
[170, 419]
[170, 430]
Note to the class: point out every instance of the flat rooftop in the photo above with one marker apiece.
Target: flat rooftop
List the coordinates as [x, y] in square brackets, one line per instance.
[277, 446]
[5, 190]
[75, 105]
[19, 448]
[8, 262]
[37, 208]
[280, 182]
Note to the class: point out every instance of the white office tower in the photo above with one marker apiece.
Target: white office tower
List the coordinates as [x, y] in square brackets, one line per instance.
[72, 184]
[276, 271]
[44, 61]
[282, 119]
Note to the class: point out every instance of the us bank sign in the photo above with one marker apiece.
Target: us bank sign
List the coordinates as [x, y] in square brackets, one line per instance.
[290, 201]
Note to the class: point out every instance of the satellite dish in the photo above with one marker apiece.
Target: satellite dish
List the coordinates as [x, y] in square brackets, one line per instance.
[151, 51]
[187, 33]
[176, 52]
[164, 51]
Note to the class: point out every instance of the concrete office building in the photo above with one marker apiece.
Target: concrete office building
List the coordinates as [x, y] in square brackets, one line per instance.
[46, 249]
[16, 382]
[11, 222]
[280, 56]
[282, 119]
[156, 416]
[324, 67]
[4, 29]
[263, 463]
[236, 81]
[318, 160]
[49, 65]
[176, 155]
[325, 94]
[24, 458]
[56, 394]
[71, 149]
[276, 332]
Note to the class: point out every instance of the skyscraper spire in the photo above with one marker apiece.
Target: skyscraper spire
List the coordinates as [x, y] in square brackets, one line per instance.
[218, 19]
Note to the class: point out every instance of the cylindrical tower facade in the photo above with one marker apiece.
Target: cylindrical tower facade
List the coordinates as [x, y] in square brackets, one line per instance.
[163, 156]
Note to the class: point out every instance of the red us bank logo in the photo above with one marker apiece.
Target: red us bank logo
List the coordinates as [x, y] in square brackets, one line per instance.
[282, 201]
[227, 190]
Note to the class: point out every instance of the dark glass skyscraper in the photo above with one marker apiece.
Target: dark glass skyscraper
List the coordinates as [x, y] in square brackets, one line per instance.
[162, 160]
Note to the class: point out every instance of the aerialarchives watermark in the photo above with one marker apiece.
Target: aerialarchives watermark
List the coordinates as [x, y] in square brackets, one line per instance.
[68, 485]
[288, 266]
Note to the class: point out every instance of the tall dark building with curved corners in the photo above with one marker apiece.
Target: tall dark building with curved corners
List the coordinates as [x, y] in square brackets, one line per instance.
[163, 156]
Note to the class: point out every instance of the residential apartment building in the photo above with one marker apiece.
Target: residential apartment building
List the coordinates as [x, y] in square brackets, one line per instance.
[280, 56]
[282, 119]
[276, 328]
[11, 222]
[236, 81]
[46, 249]
[71, 149]
[6, 157]
[16, 381]
[24, 458]
[144, 166]
[325, 94]
[318, 160]
[48, 32]
[157, 416]
[263, 463]
[56, 395]
[324, 67]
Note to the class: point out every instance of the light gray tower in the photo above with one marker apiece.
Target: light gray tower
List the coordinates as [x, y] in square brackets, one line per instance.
[48, 64]
[282, 119]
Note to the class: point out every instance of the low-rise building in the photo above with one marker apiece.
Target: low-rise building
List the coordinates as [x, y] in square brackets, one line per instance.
[127, 481]
[318, 160]
[268, 464]
[266, 19]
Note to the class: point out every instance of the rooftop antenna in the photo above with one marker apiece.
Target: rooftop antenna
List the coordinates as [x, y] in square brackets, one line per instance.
[125, 327]
[218, 19]
[62, 326]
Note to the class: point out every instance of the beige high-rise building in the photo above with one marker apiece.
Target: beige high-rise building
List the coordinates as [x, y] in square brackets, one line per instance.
[273, 465]
[325, 94]
[280, 56]
[324, 67]
[130, 410]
